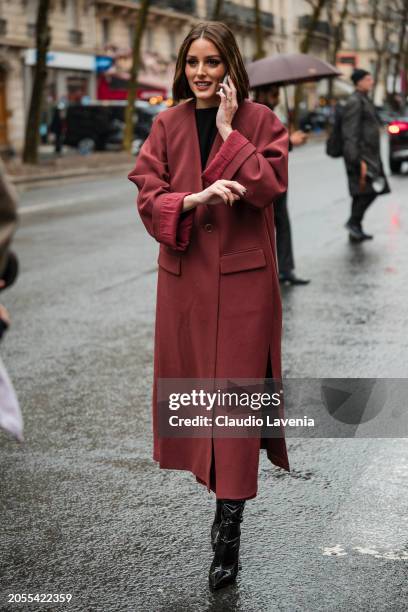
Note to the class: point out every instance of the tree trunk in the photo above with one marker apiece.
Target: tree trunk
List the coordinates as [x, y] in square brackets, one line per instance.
[130, 107]
[377, 47]
[337, 40]
[401, 41]
[381, 15]
[260, 52]
[217, 10]
[32, 132]
[304, 48]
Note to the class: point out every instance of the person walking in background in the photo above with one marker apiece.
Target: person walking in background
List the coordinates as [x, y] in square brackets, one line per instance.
[207, 176]
[269, 96]
[360, 128]
[58, 126]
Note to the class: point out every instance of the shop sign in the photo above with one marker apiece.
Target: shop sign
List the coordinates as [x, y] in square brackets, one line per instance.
[59, 59]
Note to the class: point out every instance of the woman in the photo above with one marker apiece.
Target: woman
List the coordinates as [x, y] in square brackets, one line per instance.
[207, 177]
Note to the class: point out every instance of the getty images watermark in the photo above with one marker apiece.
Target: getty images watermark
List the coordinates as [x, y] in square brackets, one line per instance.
[314, 407]
[224, 408]
[221, 400]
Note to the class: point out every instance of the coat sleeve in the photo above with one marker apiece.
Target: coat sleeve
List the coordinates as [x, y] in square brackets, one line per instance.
[160, 208]
[351, 130]
[262, 169]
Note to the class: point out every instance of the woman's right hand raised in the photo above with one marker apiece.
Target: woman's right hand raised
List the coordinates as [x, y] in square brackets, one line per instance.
[217, 193]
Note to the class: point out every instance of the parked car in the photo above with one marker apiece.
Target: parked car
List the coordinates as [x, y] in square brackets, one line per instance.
[313, 121]
[98, 127]
[398, 143]
[385, 114]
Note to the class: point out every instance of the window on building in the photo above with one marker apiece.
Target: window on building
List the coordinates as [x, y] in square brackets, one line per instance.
[77, 88]
[105, 31]
[150, 38]
[131, 32]
[353, 39]
[31, 12]
[371, 35]
[3, 21]
[172, 42]
[74, 7]
[348, 60]
[281, 17]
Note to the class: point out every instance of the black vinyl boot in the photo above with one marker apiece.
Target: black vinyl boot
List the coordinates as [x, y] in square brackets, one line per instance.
[216, 524]
[225, 565]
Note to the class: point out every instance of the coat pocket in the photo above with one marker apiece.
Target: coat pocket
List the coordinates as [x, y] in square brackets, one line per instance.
[169, 262]
[242, 260]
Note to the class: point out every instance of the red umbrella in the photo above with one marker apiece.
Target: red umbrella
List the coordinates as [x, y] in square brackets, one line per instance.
[289, 69]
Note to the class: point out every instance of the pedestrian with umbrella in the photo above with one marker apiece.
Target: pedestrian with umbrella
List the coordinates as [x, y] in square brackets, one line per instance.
[269, 95]
[266, 76]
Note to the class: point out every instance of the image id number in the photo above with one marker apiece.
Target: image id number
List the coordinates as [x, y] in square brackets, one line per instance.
[39, 597]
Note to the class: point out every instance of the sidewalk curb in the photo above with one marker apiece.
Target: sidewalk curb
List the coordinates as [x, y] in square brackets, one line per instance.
[28, 181]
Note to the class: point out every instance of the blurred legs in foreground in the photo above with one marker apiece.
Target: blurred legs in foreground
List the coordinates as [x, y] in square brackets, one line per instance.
[10, 415]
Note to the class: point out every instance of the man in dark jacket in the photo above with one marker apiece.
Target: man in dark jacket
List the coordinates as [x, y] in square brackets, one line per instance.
[269, 96]
[361, 151]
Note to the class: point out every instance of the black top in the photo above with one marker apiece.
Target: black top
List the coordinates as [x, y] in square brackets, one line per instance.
[207, 131]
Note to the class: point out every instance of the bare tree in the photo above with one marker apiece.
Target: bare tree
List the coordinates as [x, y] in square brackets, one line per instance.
[338, 35]
[405, 69]
[137, 43]
[217, 10]
[317, 7]
[380, 13]
[260, 51]
[32, 132]
[401, 9]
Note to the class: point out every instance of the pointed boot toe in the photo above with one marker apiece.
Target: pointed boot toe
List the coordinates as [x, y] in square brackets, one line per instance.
[221, 576]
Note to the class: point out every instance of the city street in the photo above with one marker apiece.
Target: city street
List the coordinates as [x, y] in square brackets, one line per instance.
[86, 511]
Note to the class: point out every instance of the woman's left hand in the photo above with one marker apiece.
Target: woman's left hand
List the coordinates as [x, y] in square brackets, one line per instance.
[227, 108]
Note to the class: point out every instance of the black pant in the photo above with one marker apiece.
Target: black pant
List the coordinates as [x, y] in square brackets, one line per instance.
[283, 235]
[359, 205]
[59, 141]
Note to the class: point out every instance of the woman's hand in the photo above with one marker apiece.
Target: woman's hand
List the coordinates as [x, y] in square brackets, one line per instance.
[227, 108]
[220, 191]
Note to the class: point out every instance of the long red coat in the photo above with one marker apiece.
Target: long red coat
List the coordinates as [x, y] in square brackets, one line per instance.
[218, 309]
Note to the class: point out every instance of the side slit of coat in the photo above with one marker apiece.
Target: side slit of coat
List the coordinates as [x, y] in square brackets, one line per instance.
[212, 485]
[268, 375]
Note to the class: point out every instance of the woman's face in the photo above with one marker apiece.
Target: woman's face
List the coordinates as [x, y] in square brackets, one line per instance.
[205, 70]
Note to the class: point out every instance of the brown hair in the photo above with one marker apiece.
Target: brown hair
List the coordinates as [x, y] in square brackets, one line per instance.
[223, 38]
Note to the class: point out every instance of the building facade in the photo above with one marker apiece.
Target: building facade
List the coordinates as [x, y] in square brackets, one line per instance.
[89, 55]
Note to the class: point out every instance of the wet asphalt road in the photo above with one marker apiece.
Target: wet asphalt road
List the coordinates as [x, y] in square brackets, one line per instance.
[84, 510]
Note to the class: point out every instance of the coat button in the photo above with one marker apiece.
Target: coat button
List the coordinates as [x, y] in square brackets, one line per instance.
[208, 227]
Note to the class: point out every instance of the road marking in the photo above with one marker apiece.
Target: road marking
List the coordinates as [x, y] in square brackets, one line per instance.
[24, 210]
[127, 280]
[339, 551]
[33, 208]
[334, 551]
